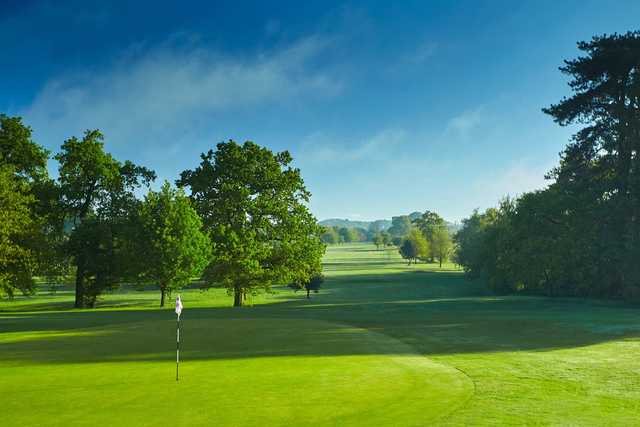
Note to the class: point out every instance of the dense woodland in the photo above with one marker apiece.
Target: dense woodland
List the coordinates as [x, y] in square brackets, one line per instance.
[580, 235]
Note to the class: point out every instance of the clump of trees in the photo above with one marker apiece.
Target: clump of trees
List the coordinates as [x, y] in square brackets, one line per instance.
[414, 247]
[581, 235]
[434, 229]
[400, 226]
[427, 240]
[335, 234]
[382, 239]
[244, 226]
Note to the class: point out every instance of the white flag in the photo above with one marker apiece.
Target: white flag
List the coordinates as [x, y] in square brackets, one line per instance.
[178, 306]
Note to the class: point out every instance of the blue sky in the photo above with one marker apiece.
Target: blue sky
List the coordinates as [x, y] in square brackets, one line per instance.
[387, 107]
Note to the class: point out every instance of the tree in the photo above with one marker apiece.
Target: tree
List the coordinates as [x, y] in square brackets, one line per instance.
[400, 226]
[312, 284]
[599, 172]
[441, 244]
[408, 250]
[330, 235]
[27, 246]
[348, 235]
[28, 159]
[174, 247]
[485, 246]
[414, 247]
[386, 238]
[253, 204]
[581, 235]
[98, 190]
[429, 223]
[360, 234]
[378, 240]
[378, 226]
[17, 261]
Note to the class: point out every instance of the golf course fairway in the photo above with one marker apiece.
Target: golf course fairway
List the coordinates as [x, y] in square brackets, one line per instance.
[382, 343]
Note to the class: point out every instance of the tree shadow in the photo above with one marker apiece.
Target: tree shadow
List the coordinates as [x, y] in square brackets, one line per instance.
[436, 313]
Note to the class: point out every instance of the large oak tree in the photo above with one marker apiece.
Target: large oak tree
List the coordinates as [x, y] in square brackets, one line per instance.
[253, 204]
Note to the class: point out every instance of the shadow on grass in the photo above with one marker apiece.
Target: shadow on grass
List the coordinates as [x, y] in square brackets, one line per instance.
[434, 312]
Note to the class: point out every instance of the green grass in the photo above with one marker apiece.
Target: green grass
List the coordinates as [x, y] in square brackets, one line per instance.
[382, 344]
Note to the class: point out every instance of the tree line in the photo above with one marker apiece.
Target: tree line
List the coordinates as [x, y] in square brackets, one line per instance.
[580, 236]
[244, 224]
[336, 234]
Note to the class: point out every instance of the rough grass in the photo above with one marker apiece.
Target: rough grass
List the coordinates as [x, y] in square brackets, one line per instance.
[382, 344]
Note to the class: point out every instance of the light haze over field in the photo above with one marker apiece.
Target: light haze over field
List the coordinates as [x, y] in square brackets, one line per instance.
[386, 108]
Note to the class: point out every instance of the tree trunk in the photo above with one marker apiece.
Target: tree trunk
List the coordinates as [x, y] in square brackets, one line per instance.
[79, 302]
[162, 293]
[440, 262]
[237, 297]
[308, 296]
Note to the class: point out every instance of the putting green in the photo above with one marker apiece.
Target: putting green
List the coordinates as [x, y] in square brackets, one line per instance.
[253, 371]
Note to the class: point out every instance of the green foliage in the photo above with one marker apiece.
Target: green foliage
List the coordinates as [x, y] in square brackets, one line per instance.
[28, 159]
[430, 224]
[414, 247]
[311, 285]
[581, 235]
[97, 194]
[17, 260]
[26, 232]
[381, 239]
[441, 245]
[253, 204]
[378, 240]
[173, 246]
[349, 235]
[330, 235]
[400, 226]
[386, 238]
[378, 226]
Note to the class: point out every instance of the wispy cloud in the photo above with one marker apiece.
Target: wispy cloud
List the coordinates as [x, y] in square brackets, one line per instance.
[463, 124]
[153, 91]
[423, 52]
[379, 146]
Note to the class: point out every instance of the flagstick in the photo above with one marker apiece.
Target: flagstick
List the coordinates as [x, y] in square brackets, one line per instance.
[177, 347]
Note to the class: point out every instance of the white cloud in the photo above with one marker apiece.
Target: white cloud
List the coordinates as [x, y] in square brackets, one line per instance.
[162, 90]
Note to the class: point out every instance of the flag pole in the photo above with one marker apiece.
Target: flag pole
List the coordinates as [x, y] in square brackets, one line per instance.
[178, 312]
[178, 347]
